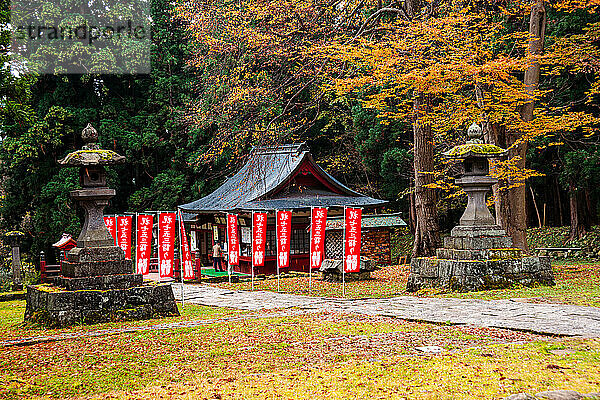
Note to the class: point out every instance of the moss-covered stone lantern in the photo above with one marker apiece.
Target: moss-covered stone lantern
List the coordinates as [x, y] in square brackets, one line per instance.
[97, 283]
[478, 254]
[475, 179]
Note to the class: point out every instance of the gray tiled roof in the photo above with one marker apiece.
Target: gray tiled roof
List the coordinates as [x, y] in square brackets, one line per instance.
[266, 172]
[368, 221]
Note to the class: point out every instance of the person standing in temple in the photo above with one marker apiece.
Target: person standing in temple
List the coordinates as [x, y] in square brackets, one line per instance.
[217, 257]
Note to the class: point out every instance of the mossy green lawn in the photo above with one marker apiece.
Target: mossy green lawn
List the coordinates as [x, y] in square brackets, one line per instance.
[576, 283]
[320, 355]
[12, 326]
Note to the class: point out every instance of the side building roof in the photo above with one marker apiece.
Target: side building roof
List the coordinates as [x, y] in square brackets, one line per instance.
[368, 221]
[266, 182]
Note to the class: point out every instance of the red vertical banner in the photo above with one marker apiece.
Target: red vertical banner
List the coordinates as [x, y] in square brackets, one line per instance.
[143, 243]
[166, 244]
[111, 224]
[124, 234]
[284, 229]
[259, 235]
[352, 239]
[317, 236]
[186, 256]
[233, 240]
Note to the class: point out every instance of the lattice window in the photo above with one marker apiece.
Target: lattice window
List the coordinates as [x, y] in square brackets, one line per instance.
[334, 244]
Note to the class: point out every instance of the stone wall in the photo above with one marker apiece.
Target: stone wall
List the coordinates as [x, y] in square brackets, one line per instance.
[375, 244]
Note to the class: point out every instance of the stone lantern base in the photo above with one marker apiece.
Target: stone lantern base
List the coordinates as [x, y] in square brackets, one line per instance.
[478, 258]
[91, 300]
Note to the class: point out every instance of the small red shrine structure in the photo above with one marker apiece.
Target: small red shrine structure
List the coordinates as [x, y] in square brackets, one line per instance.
[274, 178]
[49, 271]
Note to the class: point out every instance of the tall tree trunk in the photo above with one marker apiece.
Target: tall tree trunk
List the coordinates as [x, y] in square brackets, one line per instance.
[427, 231]
[413, 7]
[412, 215]
[512, 207]
[579, 222]
[559, 203]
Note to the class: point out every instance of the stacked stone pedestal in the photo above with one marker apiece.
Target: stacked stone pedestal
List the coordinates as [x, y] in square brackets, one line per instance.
[112, 294]
[478, 258]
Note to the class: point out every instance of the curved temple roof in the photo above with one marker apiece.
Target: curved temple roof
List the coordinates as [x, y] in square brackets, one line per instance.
[264, 183]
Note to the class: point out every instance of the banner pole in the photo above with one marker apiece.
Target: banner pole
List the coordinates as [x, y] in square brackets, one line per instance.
[344, 258]
[252, 249]
[277, 246]
[180, 215]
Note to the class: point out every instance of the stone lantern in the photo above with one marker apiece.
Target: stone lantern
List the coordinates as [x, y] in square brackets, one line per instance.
[96, 253]
[478, 254]
[475, 180]
[13, 239]
[97, 282]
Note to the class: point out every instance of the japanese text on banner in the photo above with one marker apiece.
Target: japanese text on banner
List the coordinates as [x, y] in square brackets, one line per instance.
[144, 243]
[317, 236]
[124, 234]
[111, 224]
[352, 239]
[233, 244]
[284, 228]
[186, 256]
[166, 244]
[259, 234]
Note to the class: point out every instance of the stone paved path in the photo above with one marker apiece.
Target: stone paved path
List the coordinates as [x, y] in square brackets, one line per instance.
[554, 319]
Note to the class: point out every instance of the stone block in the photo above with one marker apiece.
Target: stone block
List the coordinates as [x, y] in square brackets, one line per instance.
[104, 282]
[415, 266]
[94, 316]
[65, 318]
[138, 296]
[89, 268]
[88, 299]
[472, 284]
[445, 268]
[163, 301]
[136, 313]
[428, 267]
[33, 297]
[59, 301]
[113, 299]
[474, 268]
[451, 242]
[477, 231]
[531, 265]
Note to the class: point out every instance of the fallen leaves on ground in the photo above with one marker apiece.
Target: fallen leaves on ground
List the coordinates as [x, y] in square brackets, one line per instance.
[576, 283]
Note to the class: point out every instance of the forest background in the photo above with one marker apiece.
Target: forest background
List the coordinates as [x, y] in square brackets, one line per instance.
[378, 90]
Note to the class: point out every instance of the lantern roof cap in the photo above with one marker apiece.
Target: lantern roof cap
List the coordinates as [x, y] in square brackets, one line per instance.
[91, 154]
[475, 147]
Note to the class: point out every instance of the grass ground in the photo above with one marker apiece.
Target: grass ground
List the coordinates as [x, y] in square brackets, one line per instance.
[11, 318]
[323, 355]
[576, 283]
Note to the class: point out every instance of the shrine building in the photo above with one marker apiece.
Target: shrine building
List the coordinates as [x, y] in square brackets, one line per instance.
[274, 178]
